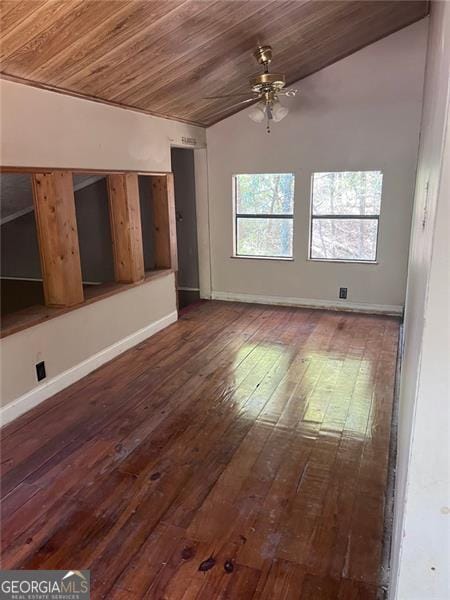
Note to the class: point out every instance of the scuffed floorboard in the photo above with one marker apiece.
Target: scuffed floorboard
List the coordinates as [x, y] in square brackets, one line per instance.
[251, 440]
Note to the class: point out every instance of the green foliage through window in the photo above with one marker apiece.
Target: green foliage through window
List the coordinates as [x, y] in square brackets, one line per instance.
[345, 210]
[264, 210]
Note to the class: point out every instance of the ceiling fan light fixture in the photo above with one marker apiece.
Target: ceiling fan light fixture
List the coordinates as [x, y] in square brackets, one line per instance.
[257, 112]
[279, 111]
[264, 89]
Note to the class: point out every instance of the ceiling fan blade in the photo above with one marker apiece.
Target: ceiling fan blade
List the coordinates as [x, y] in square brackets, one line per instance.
[288, 92]
[241, 102]
[226, 96]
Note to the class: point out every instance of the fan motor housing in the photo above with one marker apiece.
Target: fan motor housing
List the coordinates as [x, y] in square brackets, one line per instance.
[267, 81]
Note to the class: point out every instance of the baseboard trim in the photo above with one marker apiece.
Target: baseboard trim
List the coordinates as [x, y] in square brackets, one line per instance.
[378, 309]
[27, 401]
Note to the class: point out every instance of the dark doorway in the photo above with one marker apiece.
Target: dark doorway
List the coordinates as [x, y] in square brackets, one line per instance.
[188, 279]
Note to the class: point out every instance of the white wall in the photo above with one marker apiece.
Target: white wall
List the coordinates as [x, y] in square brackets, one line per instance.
[421, 542]
[46, 129]
[203, 229]
[362, 113]
[79, 341]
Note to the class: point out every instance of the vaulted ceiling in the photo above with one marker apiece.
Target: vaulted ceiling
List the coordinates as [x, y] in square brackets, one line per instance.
[164, 56]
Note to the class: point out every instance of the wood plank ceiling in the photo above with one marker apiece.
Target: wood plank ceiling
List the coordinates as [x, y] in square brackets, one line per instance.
[164, 56]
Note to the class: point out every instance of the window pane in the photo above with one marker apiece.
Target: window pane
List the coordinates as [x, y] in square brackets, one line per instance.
[344, 239]
[264, 237]
[347, 193]
[270, 193]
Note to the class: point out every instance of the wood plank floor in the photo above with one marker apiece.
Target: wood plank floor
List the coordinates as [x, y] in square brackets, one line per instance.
[253, 438]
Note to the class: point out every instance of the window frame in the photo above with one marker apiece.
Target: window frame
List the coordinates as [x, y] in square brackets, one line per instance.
[237, 216]
[347, 217]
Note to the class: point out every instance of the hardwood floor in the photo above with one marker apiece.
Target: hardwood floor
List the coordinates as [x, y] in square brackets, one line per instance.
[253, 438]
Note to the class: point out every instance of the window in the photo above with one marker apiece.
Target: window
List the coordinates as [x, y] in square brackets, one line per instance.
[345, 210]
[264, 215]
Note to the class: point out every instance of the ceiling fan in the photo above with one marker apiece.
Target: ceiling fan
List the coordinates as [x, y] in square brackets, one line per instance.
[265, 87]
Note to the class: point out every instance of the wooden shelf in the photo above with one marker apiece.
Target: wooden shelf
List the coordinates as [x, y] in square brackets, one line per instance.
[34, 315]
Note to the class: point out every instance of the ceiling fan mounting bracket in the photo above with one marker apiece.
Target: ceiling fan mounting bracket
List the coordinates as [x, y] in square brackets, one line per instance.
[263, 55]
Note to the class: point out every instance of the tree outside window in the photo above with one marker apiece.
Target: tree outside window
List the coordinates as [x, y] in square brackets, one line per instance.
[345, 212]
[264, 215]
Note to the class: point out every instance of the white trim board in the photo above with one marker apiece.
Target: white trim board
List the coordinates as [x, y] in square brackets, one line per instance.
[16, 215]
[378, 309]
[43, 391]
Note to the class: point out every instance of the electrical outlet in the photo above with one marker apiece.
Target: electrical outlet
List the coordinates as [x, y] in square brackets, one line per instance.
[40, 371]
[343, 293]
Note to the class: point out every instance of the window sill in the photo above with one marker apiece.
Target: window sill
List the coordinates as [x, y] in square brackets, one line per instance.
[282, 258]
[34, 315]
[343, 261]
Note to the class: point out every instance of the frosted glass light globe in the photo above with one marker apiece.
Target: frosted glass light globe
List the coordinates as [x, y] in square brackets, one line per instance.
[258, 112]
[279, 112]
